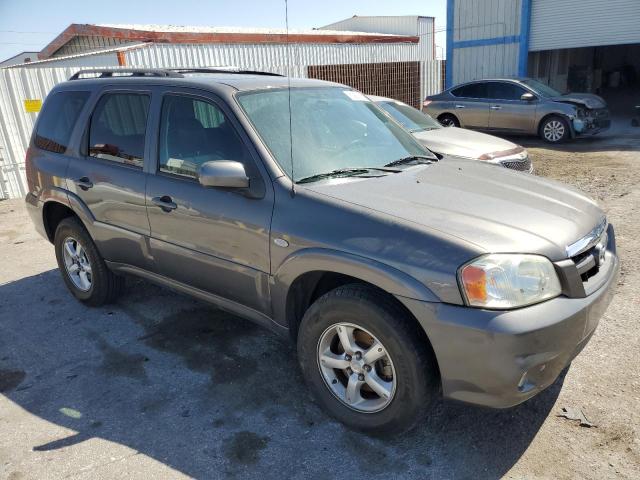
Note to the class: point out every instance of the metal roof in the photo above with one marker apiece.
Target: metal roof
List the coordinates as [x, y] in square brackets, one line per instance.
[195, 35]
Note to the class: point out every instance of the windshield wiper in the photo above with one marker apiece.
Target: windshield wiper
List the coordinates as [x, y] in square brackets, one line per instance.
[341, 172]
[412, 159]
[346, 172]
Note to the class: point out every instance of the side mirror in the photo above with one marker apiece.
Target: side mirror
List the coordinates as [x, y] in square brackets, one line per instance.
[528, 97]
[223, 173]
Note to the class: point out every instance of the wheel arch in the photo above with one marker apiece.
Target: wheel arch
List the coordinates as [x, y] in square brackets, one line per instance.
[307, 275]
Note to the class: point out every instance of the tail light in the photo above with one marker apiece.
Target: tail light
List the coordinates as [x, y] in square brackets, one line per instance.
[426, 103]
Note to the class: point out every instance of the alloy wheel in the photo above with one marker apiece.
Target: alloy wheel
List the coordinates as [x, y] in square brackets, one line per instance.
[356, 367]
[554, 130]
[77, 264]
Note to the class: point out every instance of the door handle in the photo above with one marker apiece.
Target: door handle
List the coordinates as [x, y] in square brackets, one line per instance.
[165, 203]
[496, 107]
[84, 183]
[459, 106]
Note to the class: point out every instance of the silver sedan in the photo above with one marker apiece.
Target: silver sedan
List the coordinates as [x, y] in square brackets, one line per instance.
[455, 141]
[522, 106]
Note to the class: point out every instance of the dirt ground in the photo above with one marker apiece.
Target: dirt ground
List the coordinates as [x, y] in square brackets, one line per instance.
[162, 386]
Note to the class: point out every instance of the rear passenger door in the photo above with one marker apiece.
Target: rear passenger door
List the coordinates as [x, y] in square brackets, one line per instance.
[508, 111]
[471, 105]
[213, 239]
[108, 178]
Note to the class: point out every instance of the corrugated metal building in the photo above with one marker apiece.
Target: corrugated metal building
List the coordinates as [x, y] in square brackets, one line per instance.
[431, 80]
[578, 45]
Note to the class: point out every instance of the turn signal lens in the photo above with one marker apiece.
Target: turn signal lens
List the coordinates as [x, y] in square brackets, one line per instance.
[503, 281]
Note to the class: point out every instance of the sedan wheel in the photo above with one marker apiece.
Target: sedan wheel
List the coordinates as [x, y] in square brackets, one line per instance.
[555, 130]
[356, 367]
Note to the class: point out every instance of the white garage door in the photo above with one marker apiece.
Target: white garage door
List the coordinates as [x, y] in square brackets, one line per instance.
[583, 23]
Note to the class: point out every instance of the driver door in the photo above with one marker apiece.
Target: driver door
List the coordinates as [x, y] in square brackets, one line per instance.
[213, 239]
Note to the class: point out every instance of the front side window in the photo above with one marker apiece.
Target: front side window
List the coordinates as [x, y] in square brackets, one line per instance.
[193, 132]
[57, 120]
[331, 128]
[118, 127]
[505, 91]
[410, 118]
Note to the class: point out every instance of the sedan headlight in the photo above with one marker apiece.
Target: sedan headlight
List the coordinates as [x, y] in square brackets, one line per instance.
[503, 281]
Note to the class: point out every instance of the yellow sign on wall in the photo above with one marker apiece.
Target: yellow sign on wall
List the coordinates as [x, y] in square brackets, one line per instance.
[32, 105]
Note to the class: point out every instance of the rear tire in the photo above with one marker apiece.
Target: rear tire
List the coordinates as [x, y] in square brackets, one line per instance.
[389, 379]
[82, 267]
[555, 129]
[448, 120]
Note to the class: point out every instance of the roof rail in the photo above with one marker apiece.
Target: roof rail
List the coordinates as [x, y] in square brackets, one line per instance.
[121, 72]
[224, 70]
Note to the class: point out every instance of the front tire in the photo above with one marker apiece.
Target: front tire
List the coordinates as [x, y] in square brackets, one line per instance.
[555, 129]
[366, 361]
[82, 267]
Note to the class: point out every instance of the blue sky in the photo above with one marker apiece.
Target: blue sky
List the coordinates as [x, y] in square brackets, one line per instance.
[31, 24]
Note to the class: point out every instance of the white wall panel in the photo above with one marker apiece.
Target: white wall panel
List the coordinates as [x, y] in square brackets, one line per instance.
[475, 63]
[583, 23]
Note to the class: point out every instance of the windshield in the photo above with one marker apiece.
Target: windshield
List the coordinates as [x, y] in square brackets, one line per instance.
[410, 118]
[331, 128]
[541, 88]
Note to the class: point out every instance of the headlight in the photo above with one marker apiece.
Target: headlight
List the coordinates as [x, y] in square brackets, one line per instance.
[581, 113]
[503, 281]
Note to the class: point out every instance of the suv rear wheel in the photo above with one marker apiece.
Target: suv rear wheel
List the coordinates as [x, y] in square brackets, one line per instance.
[366, 361]
[82, 267]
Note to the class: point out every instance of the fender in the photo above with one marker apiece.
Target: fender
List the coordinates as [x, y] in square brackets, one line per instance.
[308, 260]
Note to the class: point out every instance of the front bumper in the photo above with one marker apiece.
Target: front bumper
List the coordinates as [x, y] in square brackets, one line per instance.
[502, 358]
[598, 121]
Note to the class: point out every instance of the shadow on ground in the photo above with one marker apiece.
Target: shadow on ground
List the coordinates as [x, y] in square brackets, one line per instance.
[212, 395]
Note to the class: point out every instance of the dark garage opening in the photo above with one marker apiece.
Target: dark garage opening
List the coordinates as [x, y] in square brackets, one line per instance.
[612, 71]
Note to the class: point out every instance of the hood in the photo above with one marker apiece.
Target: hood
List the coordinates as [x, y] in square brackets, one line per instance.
[589, 100]
[462, 143]
[493, 209]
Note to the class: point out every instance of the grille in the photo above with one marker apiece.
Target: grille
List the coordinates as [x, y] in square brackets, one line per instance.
[588, 263]
[520, 165]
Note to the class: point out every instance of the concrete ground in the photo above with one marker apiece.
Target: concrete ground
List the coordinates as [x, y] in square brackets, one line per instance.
[163, 386]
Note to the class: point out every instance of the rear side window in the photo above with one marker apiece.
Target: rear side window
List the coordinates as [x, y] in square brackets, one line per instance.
[473, 90]
[505, 91]
[118, 127]
[57, 120]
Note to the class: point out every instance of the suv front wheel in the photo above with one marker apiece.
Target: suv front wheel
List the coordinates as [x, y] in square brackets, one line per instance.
[82, 267]
[366, 361]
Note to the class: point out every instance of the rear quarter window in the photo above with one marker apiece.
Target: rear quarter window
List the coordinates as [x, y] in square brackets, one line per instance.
[58, 117]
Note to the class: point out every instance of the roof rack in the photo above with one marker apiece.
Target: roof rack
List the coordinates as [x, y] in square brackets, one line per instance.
[122, 72]
[224, 70]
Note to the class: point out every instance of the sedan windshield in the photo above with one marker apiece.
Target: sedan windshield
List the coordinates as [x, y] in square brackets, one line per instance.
[410, 118]
[332, 129]
[541, 88]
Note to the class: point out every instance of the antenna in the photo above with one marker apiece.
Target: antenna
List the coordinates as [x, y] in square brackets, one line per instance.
[286, 20]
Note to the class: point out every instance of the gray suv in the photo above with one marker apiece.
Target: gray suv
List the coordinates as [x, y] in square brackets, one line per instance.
[520, 106]
[302, 206]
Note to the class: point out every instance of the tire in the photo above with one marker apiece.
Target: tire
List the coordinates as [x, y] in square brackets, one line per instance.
[554, 129]
[99, 285]
[407, 354]
[448, 120]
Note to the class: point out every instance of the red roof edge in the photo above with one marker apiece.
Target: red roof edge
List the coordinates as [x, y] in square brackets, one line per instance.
[76, 29]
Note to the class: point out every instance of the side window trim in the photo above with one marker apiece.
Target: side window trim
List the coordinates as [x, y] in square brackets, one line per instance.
[83, 149]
